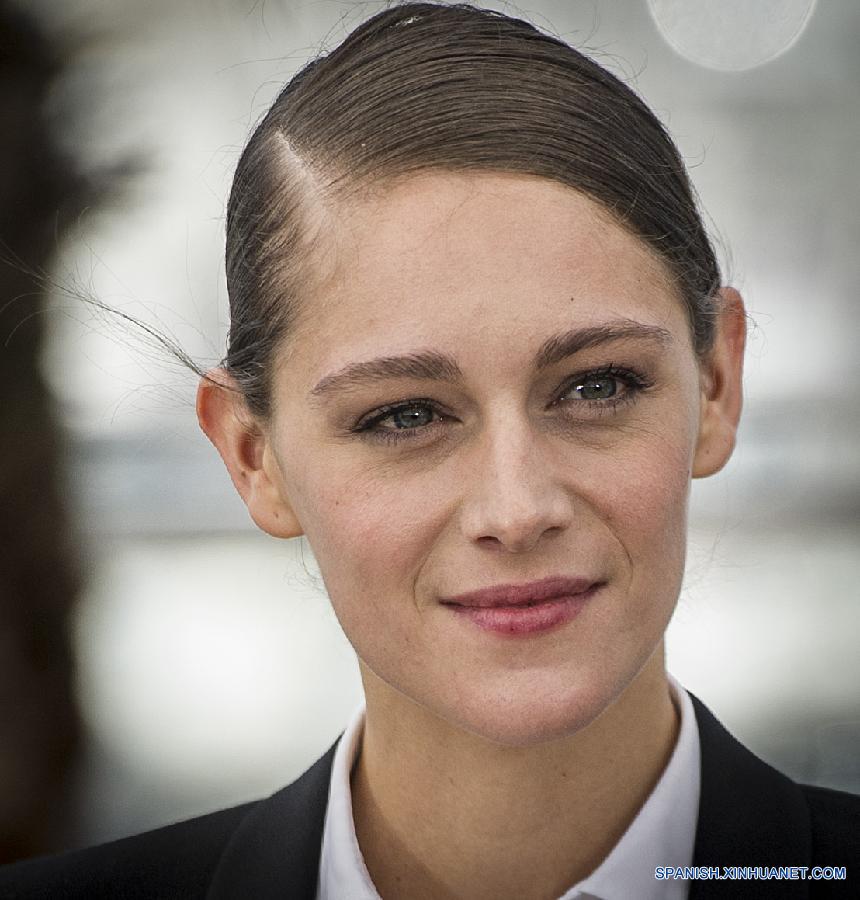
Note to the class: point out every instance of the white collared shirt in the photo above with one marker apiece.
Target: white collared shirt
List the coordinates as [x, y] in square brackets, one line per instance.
[662, 834]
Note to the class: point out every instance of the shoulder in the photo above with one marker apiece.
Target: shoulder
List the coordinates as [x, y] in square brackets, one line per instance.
[169, 862]
[265, 849]
[751, 814]
[835, 819]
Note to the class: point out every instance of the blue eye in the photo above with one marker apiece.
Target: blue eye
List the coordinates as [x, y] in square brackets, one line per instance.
[586, 395]
[412, 415]
[603, 388]
[405, 419]
[597, 387]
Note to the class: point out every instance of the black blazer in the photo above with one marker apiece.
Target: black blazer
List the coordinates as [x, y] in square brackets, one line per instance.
[749, 814]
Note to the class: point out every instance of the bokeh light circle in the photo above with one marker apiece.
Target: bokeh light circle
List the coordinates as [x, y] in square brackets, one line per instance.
[731, 35]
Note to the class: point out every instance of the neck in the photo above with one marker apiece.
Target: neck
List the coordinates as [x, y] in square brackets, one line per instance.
[443, 813]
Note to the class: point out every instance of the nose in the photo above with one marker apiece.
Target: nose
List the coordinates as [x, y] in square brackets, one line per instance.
[514, 495]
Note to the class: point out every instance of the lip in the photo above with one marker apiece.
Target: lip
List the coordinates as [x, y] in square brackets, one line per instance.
[521, 594]
[522, 609]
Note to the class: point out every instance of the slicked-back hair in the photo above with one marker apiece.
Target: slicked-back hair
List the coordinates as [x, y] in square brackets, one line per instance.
[426, 86]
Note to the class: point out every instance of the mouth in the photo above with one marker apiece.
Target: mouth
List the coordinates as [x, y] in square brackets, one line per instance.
[522, 609]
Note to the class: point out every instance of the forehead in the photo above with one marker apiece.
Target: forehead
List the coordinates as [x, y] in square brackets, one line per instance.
[489, 256]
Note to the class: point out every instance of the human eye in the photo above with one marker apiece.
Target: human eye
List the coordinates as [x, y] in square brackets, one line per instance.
[399, 421]
[604, 389]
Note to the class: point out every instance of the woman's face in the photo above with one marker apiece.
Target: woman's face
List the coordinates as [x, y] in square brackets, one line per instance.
[536, 415]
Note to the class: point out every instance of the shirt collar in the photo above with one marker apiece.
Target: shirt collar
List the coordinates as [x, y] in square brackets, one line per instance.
[664, 830]
[662, 834]
[342, 869]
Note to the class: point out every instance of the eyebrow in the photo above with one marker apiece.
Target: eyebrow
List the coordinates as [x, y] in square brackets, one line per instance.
[430, 365]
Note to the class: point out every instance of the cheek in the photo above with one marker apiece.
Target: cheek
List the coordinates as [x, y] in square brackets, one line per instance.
[650, 501]
[645, 508]
[368, 534]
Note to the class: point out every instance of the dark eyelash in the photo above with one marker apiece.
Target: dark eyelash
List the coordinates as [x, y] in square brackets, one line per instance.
[634, 381]
[366, 429]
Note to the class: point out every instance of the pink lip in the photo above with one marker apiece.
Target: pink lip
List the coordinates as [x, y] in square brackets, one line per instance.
[519, 609]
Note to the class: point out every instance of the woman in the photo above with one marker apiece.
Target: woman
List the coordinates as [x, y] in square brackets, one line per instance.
[479, 346]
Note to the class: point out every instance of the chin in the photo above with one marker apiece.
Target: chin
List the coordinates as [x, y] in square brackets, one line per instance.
[535, 716]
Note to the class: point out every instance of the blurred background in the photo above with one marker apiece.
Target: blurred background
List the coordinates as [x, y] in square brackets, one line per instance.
[159, 657]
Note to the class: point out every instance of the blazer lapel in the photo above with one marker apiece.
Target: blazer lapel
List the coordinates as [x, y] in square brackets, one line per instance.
[275, 851]
[749, 815]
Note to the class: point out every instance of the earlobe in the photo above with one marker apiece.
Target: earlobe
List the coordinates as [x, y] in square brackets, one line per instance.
[245, 449]
[722, 387]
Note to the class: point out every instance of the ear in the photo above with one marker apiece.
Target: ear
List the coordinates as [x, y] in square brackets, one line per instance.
[722, 388]
[246, 450]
